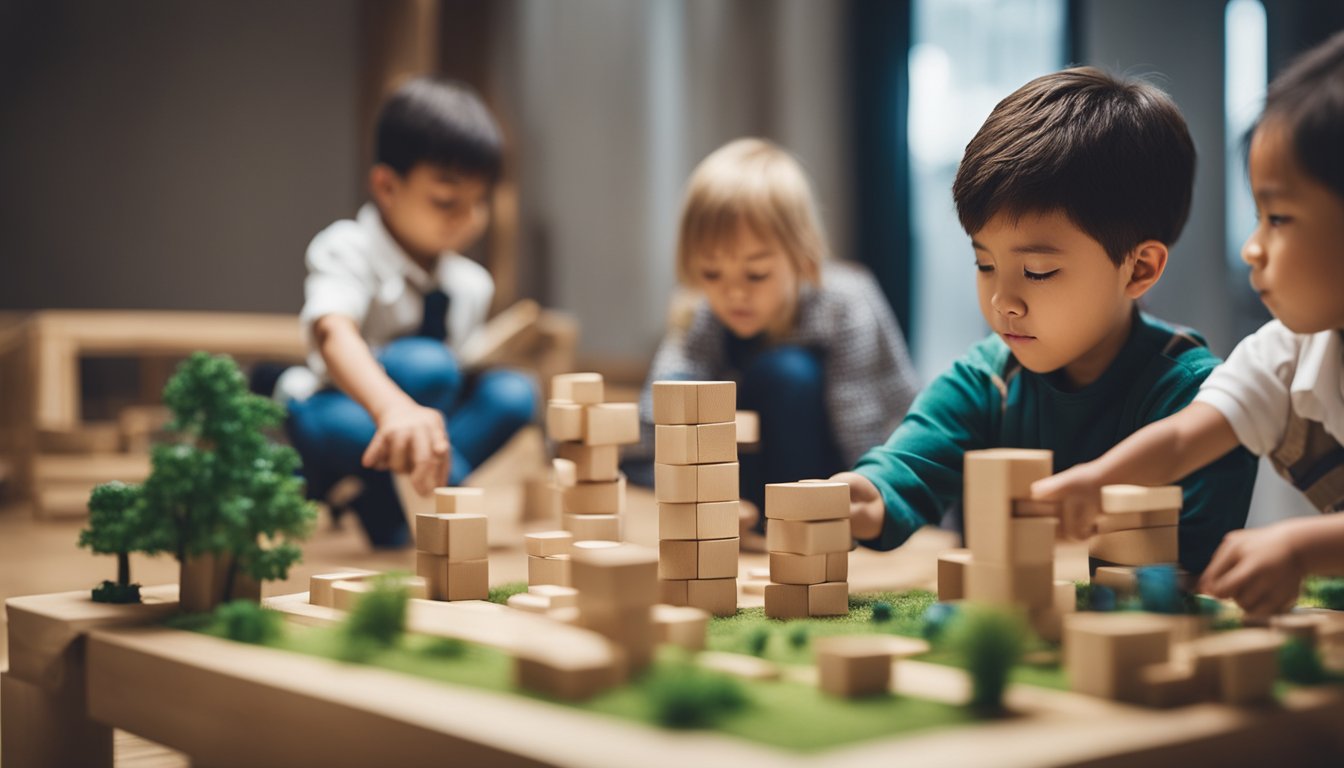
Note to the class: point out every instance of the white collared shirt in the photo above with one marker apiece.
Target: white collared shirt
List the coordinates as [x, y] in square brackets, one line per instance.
[1272, 371]
[356, 269]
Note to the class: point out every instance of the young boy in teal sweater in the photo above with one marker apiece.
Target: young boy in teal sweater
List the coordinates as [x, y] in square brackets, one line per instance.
[1072, 192]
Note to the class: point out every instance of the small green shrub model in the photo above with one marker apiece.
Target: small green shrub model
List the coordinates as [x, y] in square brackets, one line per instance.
[116, 527]
[757, 640]
[881, 612]
[1298, 663]
[798, 635]
[247, 622]
[1324, 592]
[378, 618]
[685, 696]
[990, 642]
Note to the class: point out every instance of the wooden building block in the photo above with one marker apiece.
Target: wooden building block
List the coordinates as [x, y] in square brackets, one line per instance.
[554, 569]
[1300, 626]
[559, 596]
[1241, 665]
[1033, 540]
[605, 498]
[678, 521]
[468, 580]
[853, 666]
[681, 626]
[717, 558]
[1103, 651]
[788, 568]
[1169, 684]
[547, 543]
[993, 479]
[829, 598]
[1034, 508]
[346, 593]
[952, 574]
[710, 520]
[1124, 521]
[592, 527]
[837, 566]
[525, 601]
[611, 424]
[458, 536]
[584, 545]
[454, 501]
[1138, 498]
[564, 421]
[807, 501]
[715, 596]
[786, 601]
[1027, 585]
[1123, 579]
[581, 388]
[801, 537]
[748, 427]
[45, 728]
[694, 402]
[672, 591]
[562, 681]
[319, 585]
[623, 576]
[695, 443]
[1048, 620]
[675, 483]
[592, 463]
[1137, 546]
[678, 559]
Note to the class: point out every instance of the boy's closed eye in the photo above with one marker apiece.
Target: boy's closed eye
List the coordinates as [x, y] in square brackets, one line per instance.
[1039, 276]
[710, 276]
[757, 277]
[450, 204]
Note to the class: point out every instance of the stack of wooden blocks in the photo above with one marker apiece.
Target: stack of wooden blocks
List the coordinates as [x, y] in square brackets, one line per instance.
[807, 534]
[451, 547]
[696, 485]
[1138, 527]
[588, 433]
[548, 557]
[617, 588]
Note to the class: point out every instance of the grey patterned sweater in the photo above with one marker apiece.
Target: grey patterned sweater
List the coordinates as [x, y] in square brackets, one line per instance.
[869, 382]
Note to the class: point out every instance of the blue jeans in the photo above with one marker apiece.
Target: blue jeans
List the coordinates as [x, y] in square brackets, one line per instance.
[331, 431]
[786, 386]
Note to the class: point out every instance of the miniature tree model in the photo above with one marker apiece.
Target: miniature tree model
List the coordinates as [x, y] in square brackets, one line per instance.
[115, 528]
[989, 641]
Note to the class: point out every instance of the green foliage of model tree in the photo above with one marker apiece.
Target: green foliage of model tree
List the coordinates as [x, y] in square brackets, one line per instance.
[990, 641]
[684, 696]
[1325, 592]
[246, 622]
[116, 527]
[881, 612]
[1298, 663]
[378, 618]
[799, 635]
[757, 640]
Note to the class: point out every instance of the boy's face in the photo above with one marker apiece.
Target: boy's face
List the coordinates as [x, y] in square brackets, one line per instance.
[751, 284]
[1296, 252]
[431, 209]
[1053, 295]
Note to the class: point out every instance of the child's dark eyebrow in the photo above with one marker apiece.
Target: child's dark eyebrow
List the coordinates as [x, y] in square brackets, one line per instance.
[1042, 248]
[759, 255]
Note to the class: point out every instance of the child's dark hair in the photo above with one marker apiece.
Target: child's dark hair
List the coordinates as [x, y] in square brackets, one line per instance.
[441, 122]
[1307, 98]
[1112, 154]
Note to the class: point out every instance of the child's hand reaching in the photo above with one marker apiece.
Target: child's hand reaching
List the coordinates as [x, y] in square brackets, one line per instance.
[411, 439]
[1077, 491]
[1260, 569]
[866, 509]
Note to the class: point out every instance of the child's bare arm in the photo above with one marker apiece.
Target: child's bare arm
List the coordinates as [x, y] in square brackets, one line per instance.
[1262, 569]
[410, 437]
[1159, 454]
[866, 510]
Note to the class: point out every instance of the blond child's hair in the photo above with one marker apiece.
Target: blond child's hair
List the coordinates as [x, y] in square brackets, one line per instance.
[756, 183]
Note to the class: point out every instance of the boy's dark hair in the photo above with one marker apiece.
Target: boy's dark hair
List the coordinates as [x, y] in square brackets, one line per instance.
[442, 122]
[1112, 154]
[1308, 99]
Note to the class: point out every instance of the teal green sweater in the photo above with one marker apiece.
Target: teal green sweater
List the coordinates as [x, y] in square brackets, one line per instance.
[988, 400]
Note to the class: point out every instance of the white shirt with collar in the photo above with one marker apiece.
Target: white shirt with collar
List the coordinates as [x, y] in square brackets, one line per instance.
[1273, 371]
[356, 269]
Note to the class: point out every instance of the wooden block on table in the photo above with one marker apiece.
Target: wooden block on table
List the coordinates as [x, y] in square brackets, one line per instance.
[853, 666]
[708, 520]
[807, 501]
[786, 601]
[715, 596]
[559, 596]
[1034, 508]
[748, 427]
[589, 544]
[592, 463]
[319, 585]
[547, 543]
[1137, 546]
[1124, 521]
[346, 593]
[611, 424]
[1033, 540]
[681, 626]
[564, 421]
[592, 527]
[788, 568]
[717, 558]
[1169, 684]
[1102, 652]
[1300, 626]
[46, 728]
[554, 569]
[605, 498]
[678, 521]
[1138, 498]
[1048, 620]
[678, 559]
[453, 501]
[458, 536]
[993, 479]
[829, 598]
[673, 591]
[623, 576]
[562, 681]
[952, 574]
[525, 601]
[801, 537]
[1242, 665]
[1026, 585]
[468, 580]
[676, 483]
[837, 566]
[694, 402]
[566, 475]
[582, 388]
[1121, 578]
[695, 443]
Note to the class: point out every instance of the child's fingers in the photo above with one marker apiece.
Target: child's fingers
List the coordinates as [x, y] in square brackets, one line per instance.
[422, 473]
[1224, 559]
[1236, 580]
[400, 454]
[376, 453]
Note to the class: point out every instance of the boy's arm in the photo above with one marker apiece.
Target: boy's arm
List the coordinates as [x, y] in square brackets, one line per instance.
[410, 437]
[1159, 454]
[1262, 569]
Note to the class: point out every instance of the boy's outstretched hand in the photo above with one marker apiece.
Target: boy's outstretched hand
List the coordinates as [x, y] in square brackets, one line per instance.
[866, 510]
[1260, 569]
[411, 439]
[1077, 491]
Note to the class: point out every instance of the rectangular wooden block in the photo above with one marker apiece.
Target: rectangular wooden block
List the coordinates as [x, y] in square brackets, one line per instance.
[1104, 651]
[611, 424]
[853, 666]
[624, 576]
[675, 483]
[592, 527]
[788, 568]
[1239, 666]
[672, 591]
[695, 443]
[459, 536]
[802, 537]
[592, 463]
[717, 558]
[786, 601]
[468, 580]
[453, 501]
[346, 593]
[582, 388]
[993, 479]
[564, 421]
[678, 559]
[837, 566]
[1124, 521]
[829, 598]
[319, 585]
[525, 601]
[604, 498]
[677, 521]
[681, 626]
[952, 574]
[1169, 684]
[807, 501]
[1027, 585]
[559, 596]
[1121, 578]
[566, 475]
[45, 728]
[548, 570]
[748, 427]
[1033, 540]
[1138, 546]
[710, 520]
[715, 596]
[694, 402]
[547, 543]
[1138, 498]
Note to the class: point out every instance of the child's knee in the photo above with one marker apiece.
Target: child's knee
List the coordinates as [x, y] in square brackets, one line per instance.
[424, 368]
[510, 395]
[788, 372]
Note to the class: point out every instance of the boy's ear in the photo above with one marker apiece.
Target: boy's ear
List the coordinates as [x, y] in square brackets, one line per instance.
[1150, 261]
[383, 183]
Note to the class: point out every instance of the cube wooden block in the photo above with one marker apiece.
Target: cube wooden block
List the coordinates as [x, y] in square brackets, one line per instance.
[449, 579]
[1104, 651]
[559, 596]
[716, 596]
[788, 568]
[786, 601]
[993, 479]
[694, 402]
[952, 574]
[547, 543]
[682, 626]
[1034, 508]
[1240, 666]
[808, 500]
[592, 463]
[569, 682]
[748, 427]
[319, 585]
[1300, 626]
[1027, 585]
[837, 566]
[624, 576]
[564, 421]
[717, 558]
[1048, 620]
[1124, 521]
[455, 501]
[592, 527]
[695, 443]
[802, 537]
[582, 388]
[672, 591]
[525, 601]
[853, 666]
[1138, 498]
[829, 598]
[675, 483]
[554, 569]
[1169, 684]
[346, 593]
[1121, 578]
[611, 424]
[1137, 546]
[459, 536]
[1033, 540]
[678, 559]
[594, 498]
[710, 520]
